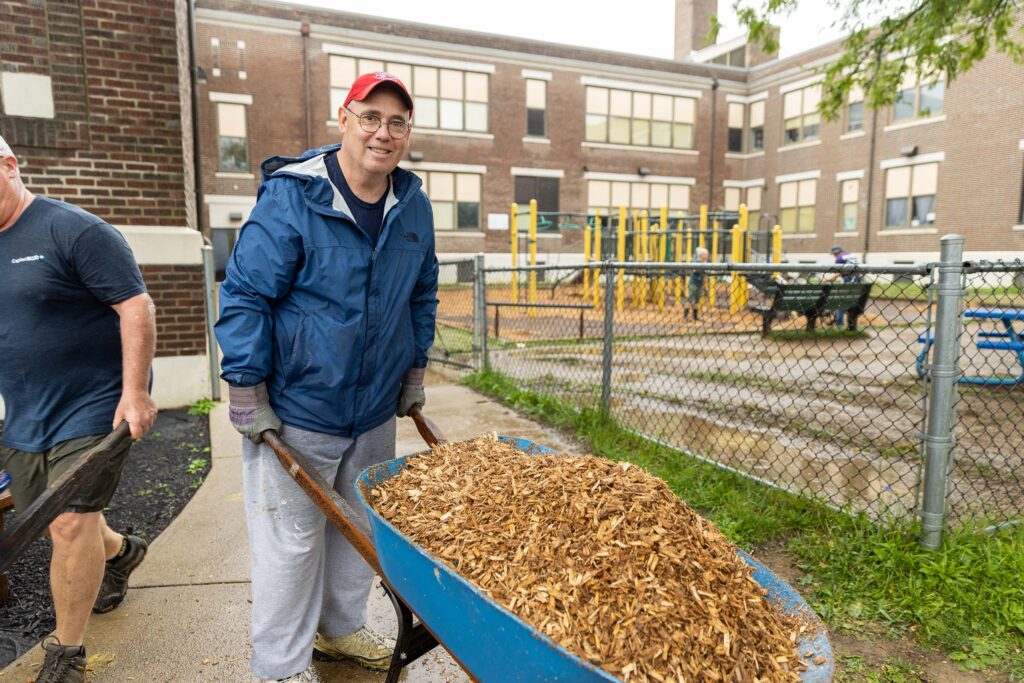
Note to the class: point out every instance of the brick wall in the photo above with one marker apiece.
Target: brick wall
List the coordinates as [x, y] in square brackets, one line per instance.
[115, 145]
[177, 292]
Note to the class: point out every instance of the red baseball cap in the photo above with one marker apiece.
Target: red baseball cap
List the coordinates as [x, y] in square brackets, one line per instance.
[365, 84]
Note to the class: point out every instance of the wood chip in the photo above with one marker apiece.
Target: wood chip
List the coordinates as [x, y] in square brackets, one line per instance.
[599, 556]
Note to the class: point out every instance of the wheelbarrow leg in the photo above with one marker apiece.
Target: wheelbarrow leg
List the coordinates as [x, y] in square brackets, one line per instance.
[413, 641]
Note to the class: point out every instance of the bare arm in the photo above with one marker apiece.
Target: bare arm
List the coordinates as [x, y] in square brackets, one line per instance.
[138, 344]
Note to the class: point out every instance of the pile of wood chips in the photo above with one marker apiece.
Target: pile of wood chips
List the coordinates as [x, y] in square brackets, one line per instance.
[599, 556]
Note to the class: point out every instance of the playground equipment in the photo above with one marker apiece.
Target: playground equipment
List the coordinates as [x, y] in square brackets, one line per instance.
[648, 236]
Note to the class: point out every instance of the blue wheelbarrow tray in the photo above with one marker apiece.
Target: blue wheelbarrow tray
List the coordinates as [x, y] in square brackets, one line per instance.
[494, 645]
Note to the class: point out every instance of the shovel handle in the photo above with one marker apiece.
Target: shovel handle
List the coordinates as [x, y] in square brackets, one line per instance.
[430, 432]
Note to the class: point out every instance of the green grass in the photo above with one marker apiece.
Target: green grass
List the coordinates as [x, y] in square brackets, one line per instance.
[829, 333]
[966, 598]
[201, 406]
[892, 670]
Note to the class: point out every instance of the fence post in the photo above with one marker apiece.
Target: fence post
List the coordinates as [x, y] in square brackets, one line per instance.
[209, 282]
[609, 327]
[480, 360]
[943, 374]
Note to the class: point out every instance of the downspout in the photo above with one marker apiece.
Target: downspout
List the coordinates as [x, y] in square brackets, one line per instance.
[871, 184]
[714, 121]
[193, 71]
[305, 81]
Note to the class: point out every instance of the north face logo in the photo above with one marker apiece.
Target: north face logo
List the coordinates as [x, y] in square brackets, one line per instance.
[411, 237]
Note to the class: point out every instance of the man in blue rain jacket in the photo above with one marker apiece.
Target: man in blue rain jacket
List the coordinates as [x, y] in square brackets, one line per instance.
[327, 313]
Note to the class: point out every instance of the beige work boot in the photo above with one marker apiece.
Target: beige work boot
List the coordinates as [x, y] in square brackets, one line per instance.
[366, 647]
[307, 676]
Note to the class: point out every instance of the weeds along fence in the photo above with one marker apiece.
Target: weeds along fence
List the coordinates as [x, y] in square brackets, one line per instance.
[885, 414]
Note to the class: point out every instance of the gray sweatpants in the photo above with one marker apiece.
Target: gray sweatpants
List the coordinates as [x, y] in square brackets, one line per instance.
[305, 576]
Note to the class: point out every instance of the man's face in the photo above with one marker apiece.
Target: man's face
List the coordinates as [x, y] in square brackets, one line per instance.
[374, 154]
[11, 194]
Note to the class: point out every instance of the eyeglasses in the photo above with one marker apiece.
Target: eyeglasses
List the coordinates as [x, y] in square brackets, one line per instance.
[371, 124]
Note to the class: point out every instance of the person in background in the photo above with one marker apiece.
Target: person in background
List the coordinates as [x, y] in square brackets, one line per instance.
[327, 313]
[77, 337]
[695, 285]
[842, 257]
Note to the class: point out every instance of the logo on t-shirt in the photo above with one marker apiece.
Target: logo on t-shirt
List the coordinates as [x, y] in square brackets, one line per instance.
[33, 257]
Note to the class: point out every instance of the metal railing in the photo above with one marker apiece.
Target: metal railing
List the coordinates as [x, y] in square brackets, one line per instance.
[917, 412]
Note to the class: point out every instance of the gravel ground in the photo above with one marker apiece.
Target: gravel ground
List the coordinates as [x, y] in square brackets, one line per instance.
[163, 471]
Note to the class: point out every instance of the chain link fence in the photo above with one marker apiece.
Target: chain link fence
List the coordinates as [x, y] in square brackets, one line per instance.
[453, 332]
[813, 379]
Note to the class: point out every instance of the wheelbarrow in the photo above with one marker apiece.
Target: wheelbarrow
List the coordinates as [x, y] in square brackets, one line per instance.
[435, 605]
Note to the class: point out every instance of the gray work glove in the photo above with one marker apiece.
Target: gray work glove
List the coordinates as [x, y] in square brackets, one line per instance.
[250, 412]
[412, 392]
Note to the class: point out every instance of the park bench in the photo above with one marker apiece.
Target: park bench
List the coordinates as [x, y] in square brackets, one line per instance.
[812, 301]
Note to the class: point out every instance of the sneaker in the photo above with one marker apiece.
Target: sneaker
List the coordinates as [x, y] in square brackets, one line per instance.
[366, 647]
[307, 676]
[61, 664]
[115, 576]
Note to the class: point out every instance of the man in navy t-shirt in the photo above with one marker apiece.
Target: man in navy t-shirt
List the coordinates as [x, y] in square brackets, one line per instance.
[77, 336]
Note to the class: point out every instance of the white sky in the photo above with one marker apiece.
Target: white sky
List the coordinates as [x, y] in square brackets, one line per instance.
[643, 27]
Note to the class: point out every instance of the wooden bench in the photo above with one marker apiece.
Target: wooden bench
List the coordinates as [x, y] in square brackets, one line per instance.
[5, 504]
[811, 301]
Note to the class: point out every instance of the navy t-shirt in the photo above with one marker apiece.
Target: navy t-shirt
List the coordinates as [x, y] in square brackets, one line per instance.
[61, 269]
[368, 216]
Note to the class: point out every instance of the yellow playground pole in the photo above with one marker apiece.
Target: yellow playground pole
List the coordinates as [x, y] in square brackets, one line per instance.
[679, 259]
[714, 259]
[620, 255]
[776, 247]
[533, 256]
[689, 259]
[743, 293]
[513, 228]
[734, 291]
[597, 256]
[587, 231]
[662, 253]
[635, 231]
[645, 256]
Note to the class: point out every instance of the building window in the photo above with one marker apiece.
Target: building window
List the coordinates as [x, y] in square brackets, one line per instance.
[800, 114]
[608, 195]
[796, 205]
[756, 136]
[751, 196]
[544, 190]
[536, 108]
[454, 197]
[910, 195]
[849, 195]
[448, 99]
[639, 118]
[215, 56]
[233, 142]
[918, 101]
[855, 111]
[736, 57]
[736, 127]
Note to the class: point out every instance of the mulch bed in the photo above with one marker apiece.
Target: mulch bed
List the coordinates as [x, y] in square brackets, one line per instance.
[599, 556]
[155, 486]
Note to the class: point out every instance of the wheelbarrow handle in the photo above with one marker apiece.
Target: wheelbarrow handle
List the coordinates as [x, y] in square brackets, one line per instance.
[430, 432]
[37, 516]
[335, 508]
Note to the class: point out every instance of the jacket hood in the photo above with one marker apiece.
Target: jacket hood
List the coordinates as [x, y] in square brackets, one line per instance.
[310, 169]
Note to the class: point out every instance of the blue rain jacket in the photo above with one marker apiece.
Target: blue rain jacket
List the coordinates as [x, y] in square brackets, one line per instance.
[330, 323]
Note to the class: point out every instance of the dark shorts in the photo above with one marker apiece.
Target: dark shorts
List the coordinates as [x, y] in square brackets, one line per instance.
[32, 473]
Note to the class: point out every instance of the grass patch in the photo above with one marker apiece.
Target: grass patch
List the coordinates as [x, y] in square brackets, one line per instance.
[965, 598]
[828, 333]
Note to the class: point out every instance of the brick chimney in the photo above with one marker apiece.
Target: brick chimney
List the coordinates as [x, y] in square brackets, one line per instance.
[692, 25]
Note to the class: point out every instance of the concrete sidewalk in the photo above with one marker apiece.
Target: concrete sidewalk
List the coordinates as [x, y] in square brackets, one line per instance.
[186, 617]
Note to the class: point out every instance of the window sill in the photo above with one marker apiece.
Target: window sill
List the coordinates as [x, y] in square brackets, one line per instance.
[799, 235]
[539, 141]
[908, 231]
[468, 232]
[638, 148]
[852, 135]
[742, 155]
[1019, 228]
[916, 122]
[333, 124]
[240, 176]
[799, 145]
[842, 233]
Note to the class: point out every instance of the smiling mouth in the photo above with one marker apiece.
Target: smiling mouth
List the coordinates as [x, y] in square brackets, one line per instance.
[379, 150]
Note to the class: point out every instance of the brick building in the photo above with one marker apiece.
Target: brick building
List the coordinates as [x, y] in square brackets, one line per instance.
[501, 119]
[93, 104]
